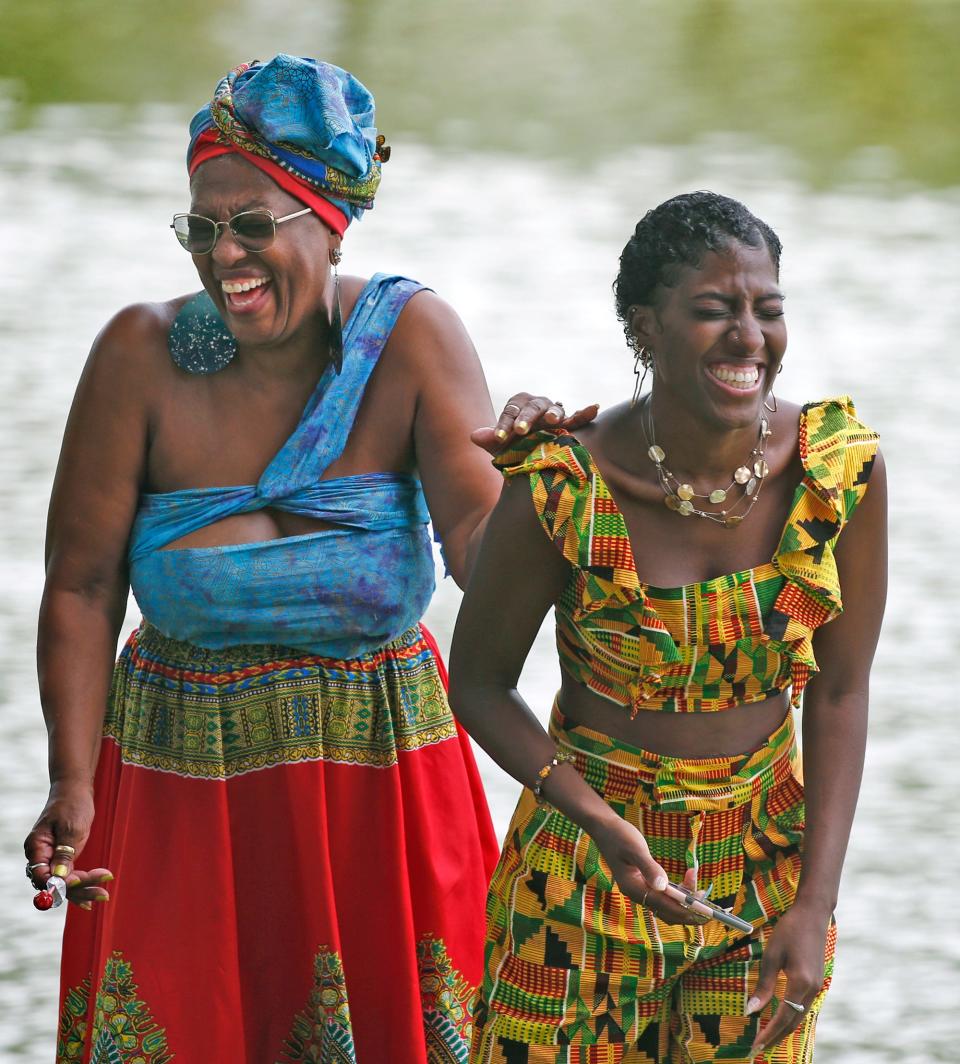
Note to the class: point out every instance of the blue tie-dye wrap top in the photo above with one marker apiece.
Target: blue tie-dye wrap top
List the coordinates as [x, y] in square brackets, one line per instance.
[340, 592]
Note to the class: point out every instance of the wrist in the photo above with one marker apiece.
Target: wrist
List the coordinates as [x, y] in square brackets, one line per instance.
[598, 821]
[566, 790]
[71, 783]
[817, 903]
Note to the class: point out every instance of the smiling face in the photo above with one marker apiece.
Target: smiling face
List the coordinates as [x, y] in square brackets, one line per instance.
[268, 297]
[717, 336]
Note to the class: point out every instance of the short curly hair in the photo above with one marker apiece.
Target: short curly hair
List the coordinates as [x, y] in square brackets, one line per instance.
[677, 234]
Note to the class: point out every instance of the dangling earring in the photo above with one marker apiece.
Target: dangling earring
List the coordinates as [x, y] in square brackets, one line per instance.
[643, 358]
[199, 341]
[766, 404]
[336, 319]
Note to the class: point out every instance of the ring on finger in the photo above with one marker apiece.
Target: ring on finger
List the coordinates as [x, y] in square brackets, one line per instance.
[67, 851]
[643, 900]
[795, 1005]
[511, 408]
[31, 867]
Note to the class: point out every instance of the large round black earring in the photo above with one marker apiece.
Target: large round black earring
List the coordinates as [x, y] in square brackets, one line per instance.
[336, 318]
[199, 341]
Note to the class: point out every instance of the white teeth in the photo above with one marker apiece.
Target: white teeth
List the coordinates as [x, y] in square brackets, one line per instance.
[743, 377]
[232, 288]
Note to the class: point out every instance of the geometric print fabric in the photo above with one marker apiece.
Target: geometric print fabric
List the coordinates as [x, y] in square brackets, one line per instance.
[706, 646]
[575, 973]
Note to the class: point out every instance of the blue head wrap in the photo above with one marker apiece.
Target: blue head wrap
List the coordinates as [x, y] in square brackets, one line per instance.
[311, 119]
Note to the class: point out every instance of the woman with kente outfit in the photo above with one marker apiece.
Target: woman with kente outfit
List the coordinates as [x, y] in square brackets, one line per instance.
[299, 840]
[698, 541]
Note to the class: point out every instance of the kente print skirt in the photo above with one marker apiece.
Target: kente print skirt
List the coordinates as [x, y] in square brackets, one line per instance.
[574, 973]
[301, 850]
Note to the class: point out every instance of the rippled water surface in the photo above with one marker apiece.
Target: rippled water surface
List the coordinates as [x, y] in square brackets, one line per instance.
[524, 244]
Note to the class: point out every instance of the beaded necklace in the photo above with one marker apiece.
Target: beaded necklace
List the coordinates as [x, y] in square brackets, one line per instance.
[679, 496]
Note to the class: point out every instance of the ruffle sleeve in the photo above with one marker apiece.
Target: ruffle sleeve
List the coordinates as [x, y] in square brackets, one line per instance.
[837, 452]
[582, 521]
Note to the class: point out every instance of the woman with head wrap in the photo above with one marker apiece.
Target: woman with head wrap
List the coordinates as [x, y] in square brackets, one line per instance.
[295, 825]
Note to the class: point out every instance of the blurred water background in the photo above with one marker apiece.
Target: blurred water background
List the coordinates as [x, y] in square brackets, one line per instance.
[528, 138]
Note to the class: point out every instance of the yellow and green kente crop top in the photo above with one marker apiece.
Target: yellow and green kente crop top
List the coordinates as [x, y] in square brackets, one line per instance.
[707, 646]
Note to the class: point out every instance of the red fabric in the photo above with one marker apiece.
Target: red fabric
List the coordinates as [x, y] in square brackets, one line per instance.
[226, 890]
[208, 148]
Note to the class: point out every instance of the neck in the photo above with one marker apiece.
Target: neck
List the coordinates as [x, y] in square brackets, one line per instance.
[700, 454]
[305, 353]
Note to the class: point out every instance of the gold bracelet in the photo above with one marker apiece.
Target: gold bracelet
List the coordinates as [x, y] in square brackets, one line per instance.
[559, 757]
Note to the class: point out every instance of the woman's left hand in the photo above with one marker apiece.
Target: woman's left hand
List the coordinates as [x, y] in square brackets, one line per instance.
[524, 413]
[795, 948]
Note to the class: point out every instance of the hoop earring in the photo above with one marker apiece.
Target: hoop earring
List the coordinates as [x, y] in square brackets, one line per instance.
[335, 341]
[199, 341]
[766, 404]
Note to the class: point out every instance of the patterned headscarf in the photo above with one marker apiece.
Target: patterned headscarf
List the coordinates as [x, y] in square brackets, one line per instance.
[307, 124]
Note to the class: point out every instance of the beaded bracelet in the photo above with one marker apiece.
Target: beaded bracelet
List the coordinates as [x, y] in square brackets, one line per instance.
[559, 757]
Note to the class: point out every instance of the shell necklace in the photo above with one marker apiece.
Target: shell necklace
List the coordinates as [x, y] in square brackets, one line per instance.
[680, 496]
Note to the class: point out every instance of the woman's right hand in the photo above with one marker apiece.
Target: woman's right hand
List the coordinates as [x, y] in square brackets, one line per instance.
[65, 821]
[638, 875]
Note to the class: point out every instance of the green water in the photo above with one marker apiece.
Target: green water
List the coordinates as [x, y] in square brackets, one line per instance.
[856, 90]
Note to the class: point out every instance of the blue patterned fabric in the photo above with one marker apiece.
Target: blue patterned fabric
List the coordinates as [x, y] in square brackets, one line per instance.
[340, 592]
[310, 117]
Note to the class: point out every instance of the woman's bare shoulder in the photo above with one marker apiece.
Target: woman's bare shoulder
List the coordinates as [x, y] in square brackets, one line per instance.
[429, 335]
[139, 330]
[132, 345]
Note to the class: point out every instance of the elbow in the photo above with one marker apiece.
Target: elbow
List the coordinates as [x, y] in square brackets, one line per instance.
[92, 582]
[463, 691]
[469, 694]
[67, 605]
[836, 702]
[460, 547]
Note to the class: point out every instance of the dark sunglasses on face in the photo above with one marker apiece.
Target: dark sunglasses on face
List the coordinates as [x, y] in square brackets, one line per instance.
[253, 230]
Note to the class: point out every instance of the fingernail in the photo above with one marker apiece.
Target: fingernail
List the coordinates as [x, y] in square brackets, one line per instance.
[521, 426]
[660, 883]
[85, 905]
[501, 434]
[101, 897]
[752, 1005]
[108, 878]
[59, 870]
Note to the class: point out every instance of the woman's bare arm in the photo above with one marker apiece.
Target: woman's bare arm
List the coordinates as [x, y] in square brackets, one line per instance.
[834, 738]
[92, 507]
[460, 484]
[517, 577]
[835, 702]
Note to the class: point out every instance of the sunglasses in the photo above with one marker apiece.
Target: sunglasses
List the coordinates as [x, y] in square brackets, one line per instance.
[253, 230]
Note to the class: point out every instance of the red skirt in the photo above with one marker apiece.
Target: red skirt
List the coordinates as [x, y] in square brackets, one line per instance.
[301, 849]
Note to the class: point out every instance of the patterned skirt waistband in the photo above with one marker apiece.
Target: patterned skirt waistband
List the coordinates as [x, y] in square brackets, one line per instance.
[152, 643]
[620, 772]
[213, 714]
